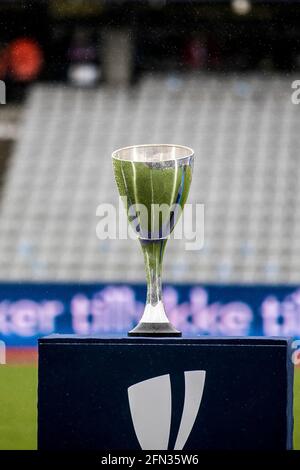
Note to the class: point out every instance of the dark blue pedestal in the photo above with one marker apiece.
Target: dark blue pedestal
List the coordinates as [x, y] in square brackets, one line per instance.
[109, 393]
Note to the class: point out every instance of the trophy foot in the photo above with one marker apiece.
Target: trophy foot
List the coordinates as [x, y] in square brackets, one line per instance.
[155, 330]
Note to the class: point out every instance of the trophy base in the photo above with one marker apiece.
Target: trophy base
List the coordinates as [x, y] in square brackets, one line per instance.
[108, 393]
[154, 329]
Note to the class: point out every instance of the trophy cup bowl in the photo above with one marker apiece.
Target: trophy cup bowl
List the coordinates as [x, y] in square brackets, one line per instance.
[154, 182]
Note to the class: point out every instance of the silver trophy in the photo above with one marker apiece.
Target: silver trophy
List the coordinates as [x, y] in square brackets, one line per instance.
[154, 182]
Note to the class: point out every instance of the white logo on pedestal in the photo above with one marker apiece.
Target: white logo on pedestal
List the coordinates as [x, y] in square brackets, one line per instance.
[150, 404]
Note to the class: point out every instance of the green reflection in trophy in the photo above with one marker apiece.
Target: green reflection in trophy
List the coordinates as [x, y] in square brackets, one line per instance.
[154, 182]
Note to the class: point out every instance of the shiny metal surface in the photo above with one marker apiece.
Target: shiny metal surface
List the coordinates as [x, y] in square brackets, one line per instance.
[154, 182]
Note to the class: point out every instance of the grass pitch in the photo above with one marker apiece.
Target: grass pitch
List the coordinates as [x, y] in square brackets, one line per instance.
[18, 414]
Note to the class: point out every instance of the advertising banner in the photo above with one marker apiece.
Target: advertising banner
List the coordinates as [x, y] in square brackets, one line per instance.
[29, 311]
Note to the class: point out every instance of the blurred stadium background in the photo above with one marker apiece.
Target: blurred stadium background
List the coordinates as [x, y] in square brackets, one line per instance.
[86, 77]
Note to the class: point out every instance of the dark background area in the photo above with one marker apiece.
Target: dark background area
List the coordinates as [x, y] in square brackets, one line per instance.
[164, 36]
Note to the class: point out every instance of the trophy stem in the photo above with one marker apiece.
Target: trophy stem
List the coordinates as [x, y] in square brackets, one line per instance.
[153, 251]
[154, 321]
